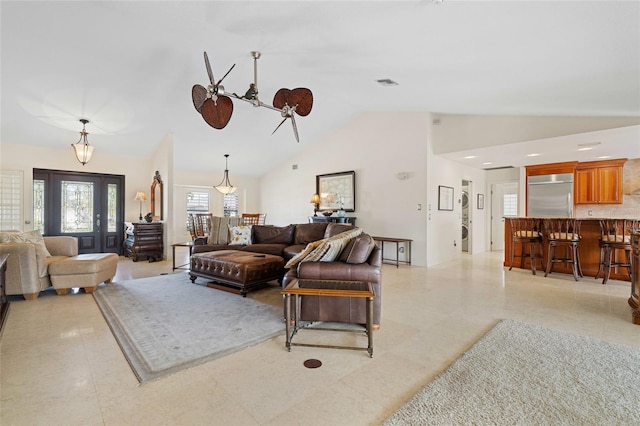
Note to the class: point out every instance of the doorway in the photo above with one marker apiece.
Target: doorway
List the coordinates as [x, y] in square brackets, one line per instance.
[88, 206]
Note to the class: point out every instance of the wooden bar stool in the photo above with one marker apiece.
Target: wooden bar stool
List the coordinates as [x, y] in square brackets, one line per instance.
[527, 232]
[615, 234]
[563, 233]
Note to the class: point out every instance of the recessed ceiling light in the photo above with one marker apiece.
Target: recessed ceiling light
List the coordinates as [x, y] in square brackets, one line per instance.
[586, 148]
[469, 157]
[604, 156]
[387, 82]
[532, 155]
[487, 163]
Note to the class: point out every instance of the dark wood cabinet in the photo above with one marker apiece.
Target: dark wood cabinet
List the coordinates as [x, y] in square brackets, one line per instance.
[599, 182]
[4, 302]
[144, 240]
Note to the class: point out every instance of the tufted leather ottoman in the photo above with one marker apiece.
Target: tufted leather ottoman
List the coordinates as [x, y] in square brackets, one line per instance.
[85, 271]
[240, 270]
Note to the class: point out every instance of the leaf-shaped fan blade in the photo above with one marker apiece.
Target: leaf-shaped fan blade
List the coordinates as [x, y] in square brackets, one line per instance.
[303, 98]
[199, 95]
[280, 98]
[295, 128]
[223, 77]
[285, 119]
[206, 62]
[217, 114]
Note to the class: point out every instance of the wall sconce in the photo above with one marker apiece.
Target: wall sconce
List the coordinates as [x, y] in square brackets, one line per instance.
[141, 196]
[315, 200]
[82, 148]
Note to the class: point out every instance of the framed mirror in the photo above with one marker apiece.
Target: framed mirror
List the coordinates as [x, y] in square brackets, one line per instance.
[156, 197]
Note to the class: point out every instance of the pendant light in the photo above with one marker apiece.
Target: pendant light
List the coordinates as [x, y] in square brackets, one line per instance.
[82, 148]
[225, 186]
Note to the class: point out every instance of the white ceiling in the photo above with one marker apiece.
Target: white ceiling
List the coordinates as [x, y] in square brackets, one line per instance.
[129, 67]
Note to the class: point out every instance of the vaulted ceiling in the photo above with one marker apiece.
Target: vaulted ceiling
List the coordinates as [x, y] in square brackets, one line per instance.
[129, 68]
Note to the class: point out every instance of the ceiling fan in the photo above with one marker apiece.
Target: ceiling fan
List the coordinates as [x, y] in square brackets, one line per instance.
[216, 107]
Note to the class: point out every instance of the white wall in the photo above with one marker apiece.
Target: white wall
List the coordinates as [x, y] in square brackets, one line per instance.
[26, 158]
[378, 146]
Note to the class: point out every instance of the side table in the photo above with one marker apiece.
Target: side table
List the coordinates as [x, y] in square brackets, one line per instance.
[331, 288]
[189, 245]
[397, 242]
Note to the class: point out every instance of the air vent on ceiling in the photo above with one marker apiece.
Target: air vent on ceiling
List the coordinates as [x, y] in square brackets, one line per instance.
[387, 82]
[499, 168]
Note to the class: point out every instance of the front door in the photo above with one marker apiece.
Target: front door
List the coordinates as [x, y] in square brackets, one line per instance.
[87, 206]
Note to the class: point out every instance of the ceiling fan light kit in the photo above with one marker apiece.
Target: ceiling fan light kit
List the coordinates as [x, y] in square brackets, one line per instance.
[215, 105]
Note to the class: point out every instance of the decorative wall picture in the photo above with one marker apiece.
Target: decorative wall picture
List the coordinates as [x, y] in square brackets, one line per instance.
[337, 191]
[445, 198]
[480, 201]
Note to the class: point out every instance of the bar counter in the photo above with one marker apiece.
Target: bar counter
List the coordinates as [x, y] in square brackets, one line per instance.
[589, 250]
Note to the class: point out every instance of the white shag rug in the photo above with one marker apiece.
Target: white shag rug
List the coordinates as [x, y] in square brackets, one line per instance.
[165, 324]
[525, 374]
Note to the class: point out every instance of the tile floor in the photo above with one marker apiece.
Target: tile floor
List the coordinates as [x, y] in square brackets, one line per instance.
[60, 364]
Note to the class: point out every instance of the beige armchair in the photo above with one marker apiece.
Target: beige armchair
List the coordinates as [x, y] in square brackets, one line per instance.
[28, 264]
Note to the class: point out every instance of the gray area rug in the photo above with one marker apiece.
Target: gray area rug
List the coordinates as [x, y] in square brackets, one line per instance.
[524, 374]
[165, 324]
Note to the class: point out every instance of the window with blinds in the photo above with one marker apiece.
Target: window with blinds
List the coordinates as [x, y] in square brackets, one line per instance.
[230, 205]
[197, 202]
[11, 203]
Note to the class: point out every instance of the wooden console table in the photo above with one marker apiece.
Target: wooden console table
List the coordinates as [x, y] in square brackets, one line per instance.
[331, 288]
[4, 302]
[333, 219]
[406, 242]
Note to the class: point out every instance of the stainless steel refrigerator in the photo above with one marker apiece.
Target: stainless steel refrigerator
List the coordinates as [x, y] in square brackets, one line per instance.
[550, 195]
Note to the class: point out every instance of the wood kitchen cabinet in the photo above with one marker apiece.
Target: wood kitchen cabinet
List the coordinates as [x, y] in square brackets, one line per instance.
[599, 182]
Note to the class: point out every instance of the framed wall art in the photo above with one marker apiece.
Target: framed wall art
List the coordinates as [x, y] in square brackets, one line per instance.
[337, 191]
[445, 198]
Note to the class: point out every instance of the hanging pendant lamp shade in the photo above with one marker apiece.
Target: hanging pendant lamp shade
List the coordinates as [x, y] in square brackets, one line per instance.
[225, 186]
[83, 150]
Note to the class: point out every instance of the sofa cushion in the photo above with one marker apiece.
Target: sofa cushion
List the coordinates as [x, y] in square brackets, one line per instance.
[358, 249]
[240, 235]
[273, 249]
[33, 237]
[309, 232]
[264, 234]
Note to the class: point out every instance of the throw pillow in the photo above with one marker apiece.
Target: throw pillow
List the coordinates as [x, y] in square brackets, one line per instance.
[331, 247]
[33, 237]
[304, 253]
[240, 235]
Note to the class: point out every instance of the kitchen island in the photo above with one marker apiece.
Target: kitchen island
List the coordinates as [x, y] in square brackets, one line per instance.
[589, 249]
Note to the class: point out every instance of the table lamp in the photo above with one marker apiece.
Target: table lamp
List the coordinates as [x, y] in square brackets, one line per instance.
[141, 196]
[315, 200]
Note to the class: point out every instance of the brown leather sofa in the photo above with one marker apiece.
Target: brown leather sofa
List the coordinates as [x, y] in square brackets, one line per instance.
[284, 241]
[361, 260]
